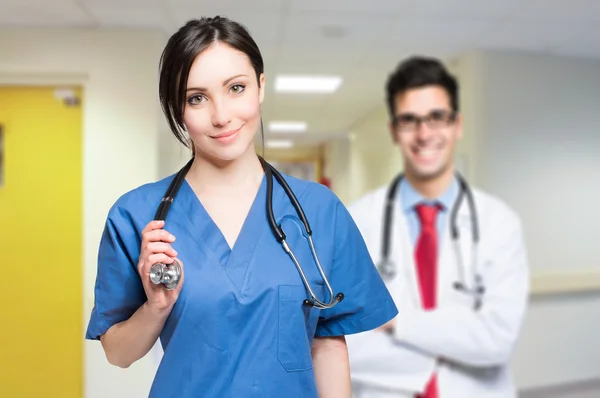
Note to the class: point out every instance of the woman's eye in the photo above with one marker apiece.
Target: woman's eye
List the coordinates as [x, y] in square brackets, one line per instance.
[195, 99]
[237, 88]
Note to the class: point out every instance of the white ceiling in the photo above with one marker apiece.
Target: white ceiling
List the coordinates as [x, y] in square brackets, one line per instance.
[361, 40]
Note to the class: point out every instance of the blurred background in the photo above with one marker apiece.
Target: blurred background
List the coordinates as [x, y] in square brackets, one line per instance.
[80, 124]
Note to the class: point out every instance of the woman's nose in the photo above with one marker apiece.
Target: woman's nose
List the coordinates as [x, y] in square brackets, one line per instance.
[220, 116]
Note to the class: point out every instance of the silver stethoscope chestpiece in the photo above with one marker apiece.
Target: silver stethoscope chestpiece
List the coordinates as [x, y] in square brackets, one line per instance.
[167, 274]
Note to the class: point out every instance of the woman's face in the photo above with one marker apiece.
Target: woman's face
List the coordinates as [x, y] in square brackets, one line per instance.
[222, 111]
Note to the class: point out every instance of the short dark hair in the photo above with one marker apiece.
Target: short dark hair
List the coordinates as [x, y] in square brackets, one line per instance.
[417, 72]
[179, 55]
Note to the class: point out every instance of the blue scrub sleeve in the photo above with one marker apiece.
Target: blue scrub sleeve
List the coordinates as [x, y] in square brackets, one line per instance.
[367, 303]
[118, 292]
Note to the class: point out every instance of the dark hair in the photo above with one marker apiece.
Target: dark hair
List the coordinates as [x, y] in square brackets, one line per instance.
[417, 72]
[181, 51]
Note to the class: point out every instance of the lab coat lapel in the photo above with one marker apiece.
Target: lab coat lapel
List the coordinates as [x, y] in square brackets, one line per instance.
[446, 267]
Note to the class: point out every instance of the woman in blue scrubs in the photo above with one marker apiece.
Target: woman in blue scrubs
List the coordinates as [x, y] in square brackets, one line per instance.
[235, 325]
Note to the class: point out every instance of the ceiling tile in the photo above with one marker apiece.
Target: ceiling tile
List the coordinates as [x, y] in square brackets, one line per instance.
[534, 36]
[372, 6]
[119, 3]
[324, 58]
[342, 115]
[41, 5]
[467, 8]
[263, 26]
[41, 13]
[438, 31]
[313, 27]
[292, 106]
[363, 92]
[228, 5]
[383, 59]
[305, 108]
[129, 15]
[571, 11]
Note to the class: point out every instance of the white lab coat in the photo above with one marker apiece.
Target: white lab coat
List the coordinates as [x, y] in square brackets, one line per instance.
[468, 350]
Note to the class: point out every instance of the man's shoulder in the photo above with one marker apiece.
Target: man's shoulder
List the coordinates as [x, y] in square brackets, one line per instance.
[494, 206]
[369, 200]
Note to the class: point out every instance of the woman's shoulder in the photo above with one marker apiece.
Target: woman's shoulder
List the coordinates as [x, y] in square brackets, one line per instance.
[320, 203]
[143, 200]
[312, 192]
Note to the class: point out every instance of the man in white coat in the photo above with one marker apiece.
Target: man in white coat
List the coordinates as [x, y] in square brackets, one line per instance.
[457, 265]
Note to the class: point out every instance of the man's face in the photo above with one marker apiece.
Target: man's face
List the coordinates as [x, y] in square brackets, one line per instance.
[426, 129]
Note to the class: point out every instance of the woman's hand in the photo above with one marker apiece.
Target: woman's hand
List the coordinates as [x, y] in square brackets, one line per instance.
[156, 248]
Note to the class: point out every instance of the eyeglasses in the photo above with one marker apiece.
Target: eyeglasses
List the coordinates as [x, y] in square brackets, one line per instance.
[435, 120]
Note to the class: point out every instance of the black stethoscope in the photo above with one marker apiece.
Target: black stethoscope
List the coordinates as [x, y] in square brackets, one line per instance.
[169, 275]
[387, 268]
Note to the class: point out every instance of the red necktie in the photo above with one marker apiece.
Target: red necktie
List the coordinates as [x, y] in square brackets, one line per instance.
[426, 261]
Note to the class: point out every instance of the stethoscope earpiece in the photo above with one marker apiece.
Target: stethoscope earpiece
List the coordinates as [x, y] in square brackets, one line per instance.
[308, 303]
[311, 303]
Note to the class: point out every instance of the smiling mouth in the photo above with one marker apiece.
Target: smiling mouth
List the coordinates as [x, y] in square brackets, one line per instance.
[426, 153]
[226, 134]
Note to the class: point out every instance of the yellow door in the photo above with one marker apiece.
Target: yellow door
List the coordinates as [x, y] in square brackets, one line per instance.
[41, 244]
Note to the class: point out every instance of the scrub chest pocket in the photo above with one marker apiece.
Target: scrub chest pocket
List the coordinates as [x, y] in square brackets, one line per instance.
[294, 323]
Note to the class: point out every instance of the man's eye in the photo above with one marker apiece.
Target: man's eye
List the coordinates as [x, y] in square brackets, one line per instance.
[407, 119]
[437, 116]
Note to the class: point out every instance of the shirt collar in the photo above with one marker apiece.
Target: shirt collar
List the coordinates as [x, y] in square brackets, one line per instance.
[410, 197]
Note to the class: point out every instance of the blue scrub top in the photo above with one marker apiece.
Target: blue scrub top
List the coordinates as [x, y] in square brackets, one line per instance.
[238, 328]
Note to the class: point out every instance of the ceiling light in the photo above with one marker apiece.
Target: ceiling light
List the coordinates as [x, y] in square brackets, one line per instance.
[287, 127]
[307, 84]
[279, 144]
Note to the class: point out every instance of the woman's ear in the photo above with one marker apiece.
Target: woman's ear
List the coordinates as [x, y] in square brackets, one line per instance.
[261, 88]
